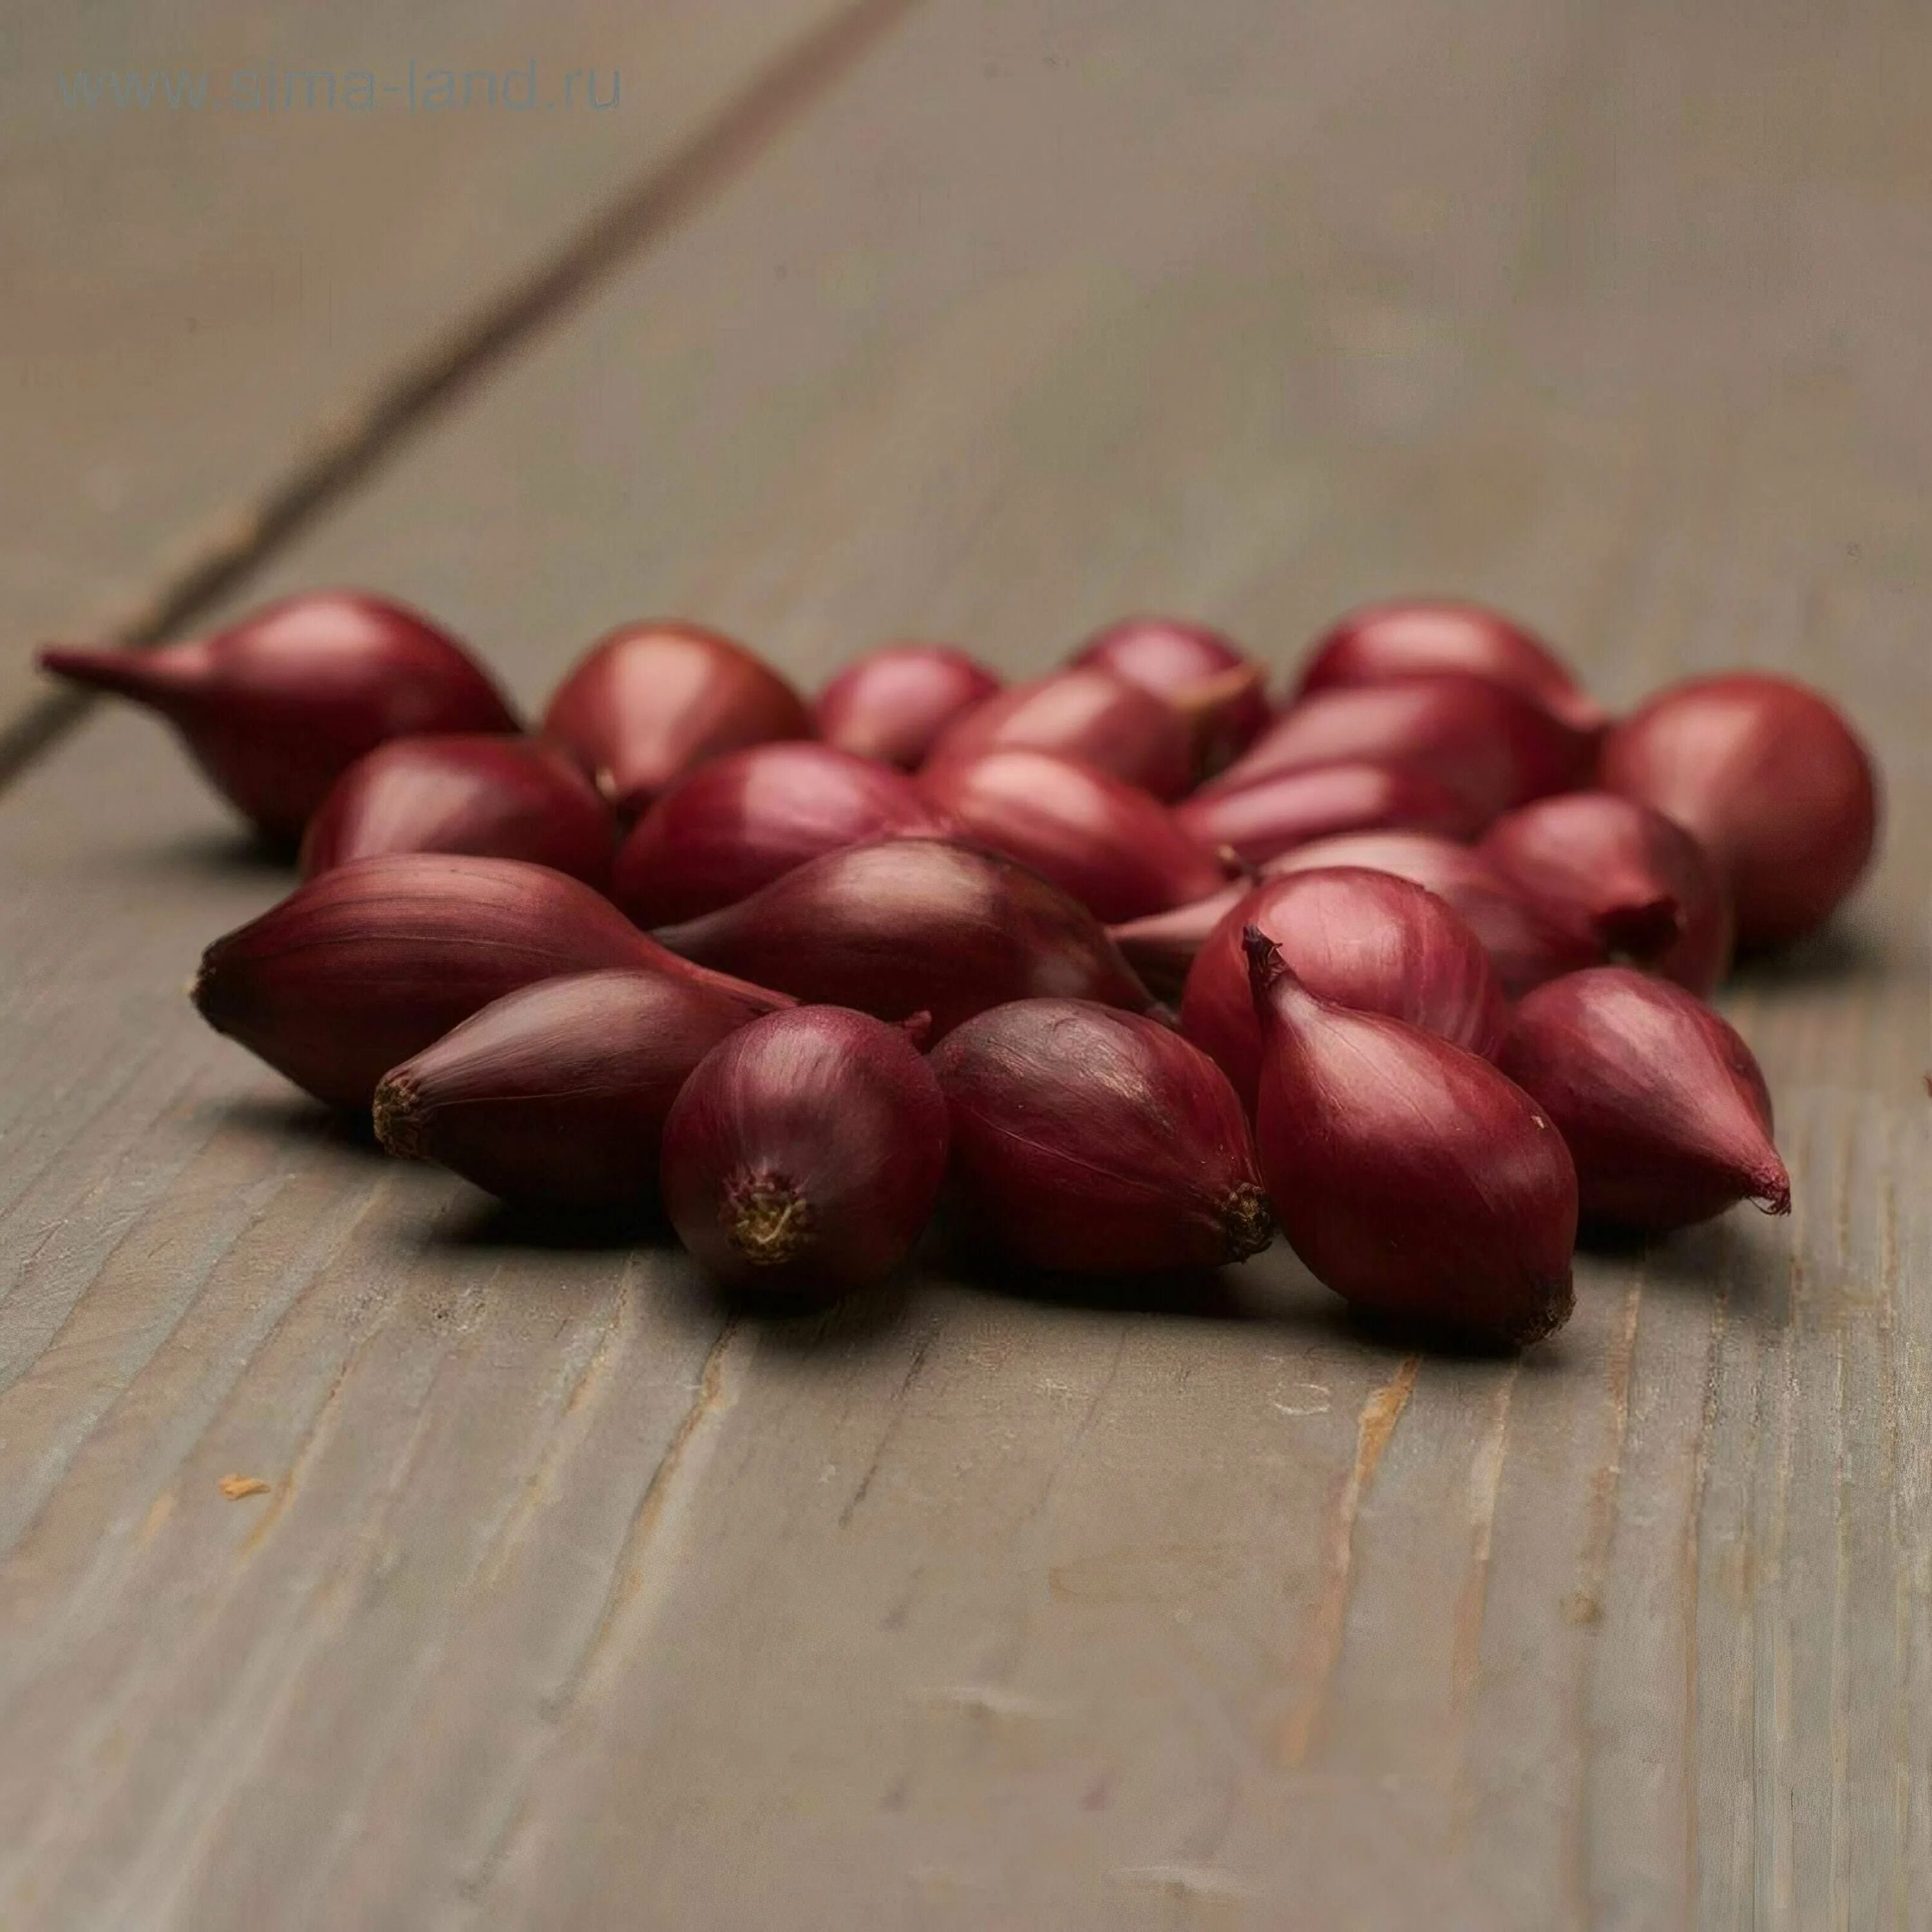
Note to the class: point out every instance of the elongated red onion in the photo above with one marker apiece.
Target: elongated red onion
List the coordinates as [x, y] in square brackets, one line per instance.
[1636, 882]
[913, 926]
[362, 966]
[1661, 1104]
[650, 702]
[1411, 1176]
[892, 704]
[556, 1094]
[497, 796]
[1095, 1141]
[1205, 674]
[1767, 775]
[1525, 945]
[737, 824]
[1367, 940]
[804, 1154]
[1163, 946]
[1083, 713]
[1105, 842]
[1496, 747]
[1395, 639]
[1260, 821]
[278, 706]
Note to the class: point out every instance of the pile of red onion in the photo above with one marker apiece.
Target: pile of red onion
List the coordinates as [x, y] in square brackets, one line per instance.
[1124, 967]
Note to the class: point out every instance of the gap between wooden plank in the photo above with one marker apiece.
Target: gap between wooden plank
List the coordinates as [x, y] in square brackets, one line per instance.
[345, 452]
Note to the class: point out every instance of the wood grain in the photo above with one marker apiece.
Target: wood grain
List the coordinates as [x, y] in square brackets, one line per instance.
[214, 312]
[573, 1601]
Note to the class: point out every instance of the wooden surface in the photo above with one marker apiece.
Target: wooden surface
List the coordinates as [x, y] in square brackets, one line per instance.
[572, 1601]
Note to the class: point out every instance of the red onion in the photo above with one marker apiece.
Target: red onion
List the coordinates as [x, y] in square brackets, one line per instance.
[278, 706]
[363, 966]
[556, 1094]
[651, 701]
[1495, 746]
[736, 824]
[1525, 945]
[498, 797]
[1397, 640]
[1205, 675]
[1412, 1178]
[1367, 940]
[804, 1154]
[1098, 1142]
[1086, 714]
[913, 926]
[892, 704]
[1769, 778]
[1162, 946]
[1636, 882]
[1104, 842]
[1260, 821]
[1661, 1102]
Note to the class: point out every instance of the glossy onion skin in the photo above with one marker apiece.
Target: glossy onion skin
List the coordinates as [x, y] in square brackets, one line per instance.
[805, 1155]
[1410, 635]
[913, 926]
[1766, 774]
[555, 1095]
[1260, 821]
[360, 968]
[1525, 945]
[492, 795]
[893, 704]
[1162, 947]
[1108, 844]
[738, 823]
[1203, 672]
[1492, 745]
[1093, 1142]
[1661, 1103]
[1411, 1177]
[1083, 713]
[651, 701]
[1366, 940]
[1636, 882]
[278, 706]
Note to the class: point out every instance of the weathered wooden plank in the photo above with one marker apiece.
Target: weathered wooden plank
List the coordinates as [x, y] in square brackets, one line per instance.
[572, 1602]
[216, 279]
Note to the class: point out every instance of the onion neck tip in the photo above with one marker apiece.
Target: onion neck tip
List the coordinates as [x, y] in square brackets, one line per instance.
[767, 1221]
[1771, 1189]
[1248, 1221]
[398, 1123]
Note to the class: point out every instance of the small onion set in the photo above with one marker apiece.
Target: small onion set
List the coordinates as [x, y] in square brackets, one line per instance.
[1120, 969]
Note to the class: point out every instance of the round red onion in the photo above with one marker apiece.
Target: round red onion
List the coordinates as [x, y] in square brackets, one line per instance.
[495, 797]
[736, 824]
[1495, 746]
[1105, 842]
[1768, 778]
[1636, 882]
[1083, 713]
[556, 1094]
[650, 702]
[277, 706]
[1525, 945]
[913, 926]
[892, 704]
[804, 1154]
[1259, 821]
[1205, 674]
[1098, 1142]
[366, 964]
[1412, 1178]
[1661, 1102]
[1397, 640]
[1367, 940]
